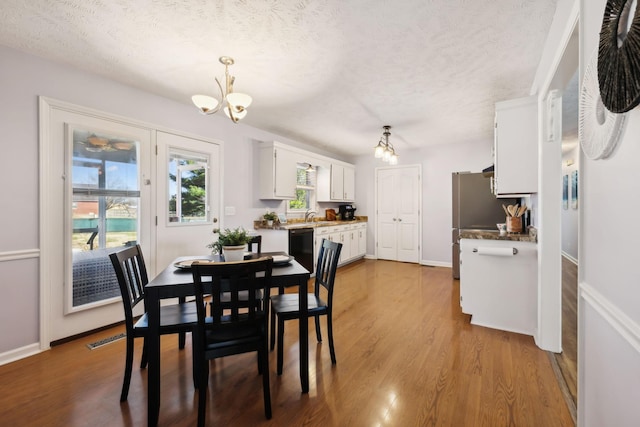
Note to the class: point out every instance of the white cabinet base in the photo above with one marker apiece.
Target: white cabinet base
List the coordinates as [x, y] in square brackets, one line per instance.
[497, 289]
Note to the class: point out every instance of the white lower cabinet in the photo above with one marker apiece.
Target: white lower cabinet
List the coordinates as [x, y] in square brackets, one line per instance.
[352, 236]
[499, 284]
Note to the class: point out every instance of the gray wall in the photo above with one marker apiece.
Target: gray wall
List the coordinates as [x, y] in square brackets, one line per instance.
[24, 77]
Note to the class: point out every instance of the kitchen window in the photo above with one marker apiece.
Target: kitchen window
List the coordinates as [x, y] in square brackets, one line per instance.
[305, 189]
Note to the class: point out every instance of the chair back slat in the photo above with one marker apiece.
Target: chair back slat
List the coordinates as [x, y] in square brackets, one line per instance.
[326, 267]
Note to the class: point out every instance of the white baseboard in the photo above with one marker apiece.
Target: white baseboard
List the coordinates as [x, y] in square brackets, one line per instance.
[435, 263]
[19, 353]
[423, 262]
[569, 257]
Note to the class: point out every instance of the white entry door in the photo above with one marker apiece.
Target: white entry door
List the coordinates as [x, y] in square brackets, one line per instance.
[188, 197]
[398, 196]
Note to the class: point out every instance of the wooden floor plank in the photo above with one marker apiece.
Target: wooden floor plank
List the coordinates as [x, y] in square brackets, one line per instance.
[406, 356]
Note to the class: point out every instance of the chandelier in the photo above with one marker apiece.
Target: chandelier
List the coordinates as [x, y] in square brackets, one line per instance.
[234, 104]
[384, 150]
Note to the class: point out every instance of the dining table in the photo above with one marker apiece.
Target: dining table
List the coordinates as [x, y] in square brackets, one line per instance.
[176, 281]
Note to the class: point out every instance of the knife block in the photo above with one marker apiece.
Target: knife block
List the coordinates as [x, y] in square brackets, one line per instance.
[514, 224]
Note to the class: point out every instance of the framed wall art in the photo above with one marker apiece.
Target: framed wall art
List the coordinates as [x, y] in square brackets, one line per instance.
[565, 192]
[574, 189]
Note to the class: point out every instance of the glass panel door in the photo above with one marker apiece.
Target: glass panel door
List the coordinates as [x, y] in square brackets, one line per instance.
[189, 196]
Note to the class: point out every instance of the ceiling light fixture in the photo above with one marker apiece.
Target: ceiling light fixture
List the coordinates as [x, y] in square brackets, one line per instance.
[384, 150]
[235, 104]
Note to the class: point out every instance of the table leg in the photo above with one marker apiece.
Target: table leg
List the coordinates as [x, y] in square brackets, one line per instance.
[303, 324]
[153, 357]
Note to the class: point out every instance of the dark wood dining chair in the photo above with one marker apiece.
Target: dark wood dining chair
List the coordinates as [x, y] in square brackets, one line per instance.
[286, 306]
[174, 319]
[234, 327]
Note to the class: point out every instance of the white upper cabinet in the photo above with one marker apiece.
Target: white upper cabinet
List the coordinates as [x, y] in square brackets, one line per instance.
[516, 147]
[278, 164]
[336, 183]
[277, 172]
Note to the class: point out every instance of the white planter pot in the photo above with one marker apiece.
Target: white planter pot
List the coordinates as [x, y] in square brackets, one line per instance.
[233, 253]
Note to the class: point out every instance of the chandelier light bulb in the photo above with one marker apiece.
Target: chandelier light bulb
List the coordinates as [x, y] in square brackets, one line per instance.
[238, 115]
[379, 150]
[393, 160]
[386, 155]
[238, 100]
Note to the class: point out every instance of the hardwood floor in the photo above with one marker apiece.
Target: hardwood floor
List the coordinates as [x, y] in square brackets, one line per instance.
[568, 359]
[406, 357]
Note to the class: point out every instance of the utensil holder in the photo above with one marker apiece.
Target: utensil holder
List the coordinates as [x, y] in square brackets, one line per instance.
[514, 224]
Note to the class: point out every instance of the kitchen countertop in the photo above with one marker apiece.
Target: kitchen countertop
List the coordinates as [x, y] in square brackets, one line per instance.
[299, 223]
[532, 236]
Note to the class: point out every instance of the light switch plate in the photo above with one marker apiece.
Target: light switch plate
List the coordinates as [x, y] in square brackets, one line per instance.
[229, 210]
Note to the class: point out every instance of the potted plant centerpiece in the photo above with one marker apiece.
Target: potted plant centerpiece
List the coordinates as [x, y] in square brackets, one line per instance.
[270, 217]
[231, 243]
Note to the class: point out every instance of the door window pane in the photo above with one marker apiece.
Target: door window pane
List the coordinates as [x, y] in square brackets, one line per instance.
[187, 187]
[104, 211]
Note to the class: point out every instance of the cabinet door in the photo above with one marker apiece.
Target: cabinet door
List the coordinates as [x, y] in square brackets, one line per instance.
[337, 182]
[345, 239]
[516, 147]
[284, 173]
[349, 184]
[362, 240]
[355, 244]
[336, 236]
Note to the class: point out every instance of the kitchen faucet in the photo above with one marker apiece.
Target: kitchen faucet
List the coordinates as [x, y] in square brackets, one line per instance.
[308, 215]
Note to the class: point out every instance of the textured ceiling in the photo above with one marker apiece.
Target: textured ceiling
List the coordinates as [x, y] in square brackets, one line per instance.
[328, 73]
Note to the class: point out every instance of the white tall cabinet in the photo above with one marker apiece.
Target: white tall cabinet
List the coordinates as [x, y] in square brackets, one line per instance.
[515, 148]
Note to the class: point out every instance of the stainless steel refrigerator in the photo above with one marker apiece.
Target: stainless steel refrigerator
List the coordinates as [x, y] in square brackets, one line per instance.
[474, 208]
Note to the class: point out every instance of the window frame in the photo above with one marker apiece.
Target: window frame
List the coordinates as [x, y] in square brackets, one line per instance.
[310, 189]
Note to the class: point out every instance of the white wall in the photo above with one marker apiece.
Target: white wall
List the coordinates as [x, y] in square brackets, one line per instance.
[608, 274]
[570, 217]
